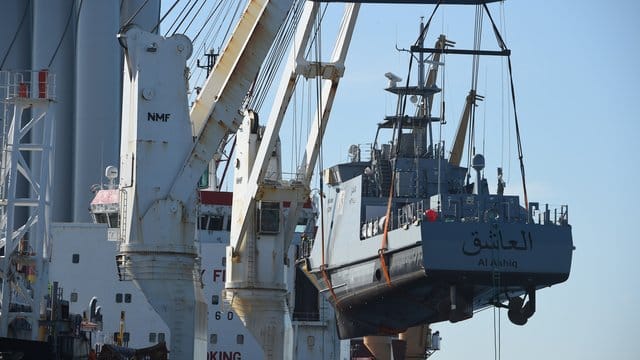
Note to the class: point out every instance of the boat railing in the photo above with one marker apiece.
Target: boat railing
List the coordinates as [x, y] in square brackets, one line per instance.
[550, 214]
[490, 210]
[39, 84]
[455, 211]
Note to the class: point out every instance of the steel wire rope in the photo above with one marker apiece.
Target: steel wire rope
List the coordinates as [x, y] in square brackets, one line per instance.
[210, 37]
[265, 81]
[15, 35]
[508, 148]
[195, 16]
[213, 11]
[135, 13]
[274, 58]
[277, 53]
[164, 16]
[220, 20]
[502, 102]
[231, 23]
[184, 17]
[515, 111]
[477, 40]
[64, 33]
[504, 31]
[484, 114]
[179, 16]
[323, 266]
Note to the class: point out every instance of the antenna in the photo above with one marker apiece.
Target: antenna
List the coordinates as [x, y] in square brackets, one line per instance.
[354, 153]
[393, 79]
[111, 173]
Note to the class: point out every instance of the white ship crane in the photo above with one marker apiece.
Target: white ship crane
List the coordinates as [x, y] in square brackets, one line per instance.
[164, 152]
[260, 234]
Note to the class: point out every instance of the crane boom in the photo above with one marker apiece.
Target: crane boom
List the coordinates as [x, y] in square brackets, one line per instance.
[260, 234]
[215, 112]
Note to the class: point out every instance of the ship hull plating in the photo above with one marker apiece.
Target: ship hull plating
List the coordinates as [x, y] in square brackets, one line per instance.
[469, 265]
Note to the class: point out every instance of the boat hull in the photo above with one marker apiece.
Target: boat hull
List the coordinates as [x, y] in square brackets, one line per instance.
[469, 265]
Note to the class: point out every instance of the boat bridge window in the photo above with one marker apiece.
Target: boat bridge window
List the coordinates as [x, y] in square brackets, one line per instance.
[160, 337]
[127, 298]
[215, 299]
[213, 338]
[75, 258]
[119, 298]
[152, 337]
[73, 297]
[240, 339]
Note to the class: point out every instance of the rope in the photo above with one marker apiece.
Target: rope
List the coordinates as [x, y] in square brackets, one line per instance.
[179, 16]
[164, 16]
[213, 11]
[15, 36]
[135, 14]
[184, 17]
[515, 111]
[275, 56]
[323, 266]
[64, 32]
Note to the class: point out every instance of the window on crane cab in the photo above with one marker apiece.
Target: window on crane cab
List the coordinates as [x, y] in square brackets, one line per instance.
[269, 217]
[114, 220]
[101, 218]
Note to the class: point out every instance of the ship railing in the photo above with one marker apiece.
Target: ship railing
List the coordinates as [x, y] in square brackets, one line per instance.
[39, 84]
[375, 226]
[487, 211]
[549, 215]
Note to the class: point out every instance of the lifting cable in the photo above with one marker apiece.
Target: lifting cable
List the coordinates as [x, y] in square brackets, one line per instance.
[223, 17]
[402, 104]
[477, 41]
[164, 16]
[503, 46]
[184, 18]
[211, 13]
[15, 36]
[66, 28]
[274, 58]
[196, 15]
[179, 16]
[130, 19]
[318, 53]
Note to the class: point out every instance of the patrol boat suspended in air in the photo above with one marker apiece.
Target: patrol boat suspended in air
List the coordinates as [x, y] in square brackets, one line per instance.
[406, 238]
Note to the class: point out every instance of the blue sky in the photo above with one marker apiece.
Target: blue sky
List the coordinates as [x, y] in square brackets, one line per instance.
[576, 73]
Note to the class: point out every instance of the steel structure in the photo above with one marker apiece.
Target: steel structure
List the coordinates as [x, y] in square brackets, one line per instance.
[24, 246]
[260, 235]
[164, 151]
